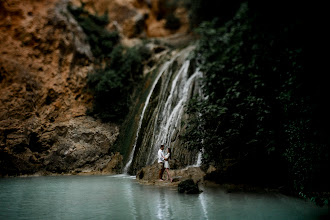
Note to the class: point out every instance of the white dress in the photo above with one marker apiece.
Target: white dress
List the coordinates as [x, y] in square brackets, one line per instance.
[167, 165]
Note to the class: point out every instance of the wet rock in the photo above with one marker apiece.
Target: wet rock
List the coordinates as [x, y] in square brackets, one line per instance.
[149, 175]
[211, 169]
[140, 175]
[188, 186]
[114, 164]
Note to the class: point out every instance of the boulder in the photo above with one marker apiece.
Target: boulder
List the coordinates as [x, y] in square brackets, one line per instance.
[149, 175]
[188, 186]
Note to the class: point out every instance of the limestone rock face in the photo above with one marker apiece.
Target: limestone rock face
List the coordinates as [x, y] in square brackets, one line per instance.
[80, 145]
[139, 18]
[44, 61]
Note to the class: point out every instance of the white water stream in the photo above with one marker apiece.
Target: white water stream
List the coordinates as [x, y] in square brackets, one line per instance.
[162, 70]
[173, 110]
[176, 85]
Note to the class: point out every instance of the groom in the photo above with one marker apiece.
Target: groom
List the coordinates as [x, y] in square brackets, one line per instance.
[161, 162]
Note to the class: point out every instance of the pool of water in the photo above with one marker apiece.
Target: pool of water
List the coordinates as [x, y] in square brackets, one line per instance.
[121, 197]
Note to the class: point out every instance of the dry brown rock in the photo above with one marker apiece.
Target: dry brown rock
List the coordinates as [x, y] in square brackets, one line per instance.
[138, 18]
[80, 145]
[44, 61]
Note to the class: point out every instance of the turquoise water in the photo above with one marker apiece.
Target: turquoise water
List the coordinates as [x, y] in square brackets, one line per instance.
[121, 197]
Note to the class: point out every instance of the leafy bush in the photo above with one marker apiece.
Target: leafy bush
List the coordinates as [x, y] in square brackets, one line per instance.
[236, 89]
[112, 86]
[112, 82]
[261, 104]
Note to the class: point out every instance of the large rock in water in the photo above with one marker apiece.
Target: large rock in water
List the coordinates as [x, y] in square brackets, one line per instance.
[188, 186]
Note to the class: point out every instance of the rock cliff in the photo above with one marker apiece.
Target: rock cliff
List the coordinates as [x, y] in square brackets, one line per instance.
[140, 18]
[44, 61]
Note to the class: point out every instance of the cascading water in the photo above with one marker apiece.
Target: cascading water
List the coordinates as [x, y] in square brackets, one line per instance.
[173, 110]
[165, 66]
[163, 112]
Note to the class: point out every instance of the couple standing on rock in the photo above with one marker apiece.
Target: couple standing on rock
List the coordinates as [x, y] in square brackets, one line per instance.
[163, 163]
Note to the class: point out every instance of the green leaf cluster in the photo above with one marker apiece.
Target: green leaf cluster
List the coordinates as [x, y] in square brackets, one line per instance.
[113, 85]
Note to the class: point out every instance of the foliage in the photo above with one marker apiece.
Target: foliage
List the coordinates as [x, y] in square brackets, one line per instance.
[119, 68]
[207, 10]
[113, 85]
[260, 104]
[101, 40]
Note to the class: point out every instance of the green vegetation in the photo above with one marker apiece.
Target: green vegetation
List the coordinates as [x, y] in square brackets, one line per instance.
[113, 85]
[119, 68]
[207, 10]
[101, 40]
[261, 118]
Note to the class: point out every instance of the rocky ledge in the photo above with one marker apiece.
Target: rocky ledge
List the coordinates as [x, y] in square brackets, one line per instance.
[192, 178]
[149, 176]
[80, 145]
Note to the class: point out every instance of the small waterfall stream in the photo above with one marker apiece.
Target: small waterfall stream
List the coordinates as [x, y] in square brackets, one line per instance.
[173, 110]
[164, 110]
[164, 67]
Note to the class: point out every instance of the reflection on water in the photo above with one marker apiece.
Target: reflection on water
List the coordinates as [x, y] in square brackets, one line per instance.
[203, 204]
[121, 197]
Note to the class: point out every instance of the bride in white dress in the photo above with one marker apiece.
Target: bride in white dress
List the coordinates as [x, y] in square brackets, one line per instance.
[167, 164]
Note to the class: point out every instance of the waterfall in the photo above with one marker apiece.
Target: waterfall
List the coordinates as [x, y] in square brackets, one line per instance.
[163, 112]
[141, 117]
[199, 160]
[171, 116]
